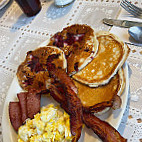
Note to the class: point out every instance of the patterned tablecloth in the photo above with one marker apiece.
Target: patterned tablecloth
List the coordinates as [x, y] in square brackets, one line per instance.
[19, 34]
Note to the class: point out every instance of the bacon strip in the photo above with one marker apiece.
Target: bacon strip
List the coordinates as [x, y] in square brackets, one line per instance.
[103, 129]
[15, 115]
[99, 107]
[74, 105]
[60, 98]
[60, 75]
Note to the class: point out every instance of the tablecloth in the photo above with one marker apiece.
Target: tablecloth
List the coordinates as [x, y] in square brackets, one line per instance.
[19, 34]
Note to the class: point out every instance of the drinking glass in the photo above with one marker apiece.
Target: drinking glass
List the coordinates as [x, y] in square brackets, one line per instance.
[29, 7]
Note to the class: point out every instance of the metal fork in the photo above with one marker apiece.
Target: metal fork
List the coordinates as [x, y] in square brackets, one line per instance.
[134, 10]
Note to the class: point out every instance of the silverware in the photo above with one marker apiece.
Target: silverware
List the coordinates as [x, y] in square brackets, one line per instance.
[136, 33]
[121, 23]
[129, 7]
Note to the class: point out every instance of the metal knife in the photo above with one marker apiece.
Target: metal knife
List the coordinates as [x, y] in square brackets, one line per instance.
[121, 23]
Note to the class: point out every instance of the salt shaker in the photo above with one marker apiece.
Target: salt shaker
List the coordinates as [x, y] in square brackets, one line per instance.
[63, 3]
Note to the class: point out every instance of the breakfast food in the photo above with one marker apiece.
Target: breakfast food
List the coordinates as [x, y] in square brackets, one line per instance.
[104, 130]
[45, 69]
[32, 73]
[79, 45]
[112, 54]
[96, 99]
[27, 107]
[50, 125]
[22, 97]
[74, 106]
[15, 115]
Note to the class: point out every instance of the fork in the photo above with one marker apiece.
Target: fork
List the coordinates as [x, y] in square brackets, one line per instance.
[134, 10]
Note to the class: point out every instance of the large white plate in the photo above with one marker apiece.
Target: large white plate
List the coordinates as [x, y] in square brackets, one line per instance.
[112, 117]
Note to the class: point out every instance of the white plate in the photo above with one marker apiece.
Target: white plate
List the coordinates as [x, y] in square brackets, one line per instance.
[112, 117]
[3, 3]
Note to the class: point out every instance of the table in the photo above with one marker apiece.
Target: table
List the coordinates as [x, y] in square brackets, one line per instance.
[19, 34]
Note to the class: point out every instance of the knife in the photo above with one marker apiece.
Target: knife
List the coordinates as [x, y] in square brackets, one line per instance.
[121, 23]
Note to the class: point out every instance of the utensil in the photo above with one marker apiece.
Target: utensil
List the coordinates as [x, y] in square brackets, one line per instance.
[129, 7]
[135, 28]
[121, 23]
[136, 33]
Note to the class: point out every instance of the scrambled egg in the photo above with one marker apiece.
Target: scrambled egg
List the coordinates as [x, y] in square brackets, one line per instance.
[51, 125]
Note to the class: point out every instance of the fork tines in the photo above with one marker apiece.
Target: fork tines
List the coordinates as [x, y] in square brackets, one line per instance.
[134, 10]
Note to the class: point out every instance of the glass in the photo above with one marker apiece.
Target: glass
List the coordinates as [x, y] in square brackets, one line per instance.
[63, 3]
[29, 7]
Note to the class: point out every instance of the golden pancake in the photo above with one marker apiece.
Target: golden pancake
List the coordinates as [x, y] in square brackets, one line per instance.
[32, 73]
[79, 44]
[111, 55]
[98, 98]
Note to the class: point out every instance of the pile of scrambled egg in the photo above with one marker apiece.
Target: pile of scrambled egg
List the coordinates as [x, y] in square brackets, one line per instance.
[51, 125]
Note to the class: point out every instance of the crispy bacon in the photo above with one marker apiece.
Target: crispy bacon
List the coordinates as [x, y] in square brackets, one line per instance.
[103, 129]
[75, 111]
[114, 104]
[99, 107]
[60, 75]
[71, 104]
[74, 105]
[60, 98]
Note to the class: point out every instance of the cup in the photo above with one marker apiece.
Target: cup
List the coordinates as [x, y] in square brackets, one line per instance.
[29, 7]
[63, 3]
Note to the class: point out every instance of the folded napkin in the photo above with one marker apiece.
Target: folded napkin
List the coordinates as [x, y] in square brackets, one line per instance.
[122, 33]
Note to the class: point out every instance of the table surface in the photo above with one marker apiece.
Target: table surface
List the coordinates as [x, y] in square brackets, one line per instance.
[19, 34]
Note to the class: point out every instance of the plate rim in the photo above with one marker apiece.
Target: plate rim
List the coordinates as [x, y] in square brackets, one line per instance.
[5, 116]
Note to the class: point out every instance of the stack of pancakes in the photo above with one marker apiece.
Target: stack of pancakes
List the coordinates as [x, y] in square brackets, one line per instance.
[101, 79]
[94, 62]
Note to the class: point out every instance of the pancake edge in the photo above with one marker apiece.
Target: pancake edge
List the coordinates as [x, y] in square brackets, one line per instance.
[120, 64]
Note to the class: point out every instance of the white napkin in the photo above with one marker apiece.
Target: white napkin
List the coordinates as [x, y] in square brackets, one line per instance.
[122, 33]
